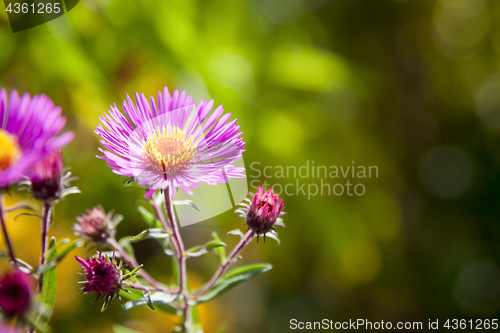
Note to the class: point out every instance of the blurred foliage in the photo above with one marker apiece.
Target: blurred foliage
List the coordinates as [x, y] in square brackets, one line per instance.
[408, 86]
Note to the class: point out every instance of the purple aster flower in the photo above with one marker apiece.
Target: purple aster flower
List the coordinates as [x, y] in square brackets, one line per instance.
[263, 212]
[28, 129]
[171, 142]
[16, 292]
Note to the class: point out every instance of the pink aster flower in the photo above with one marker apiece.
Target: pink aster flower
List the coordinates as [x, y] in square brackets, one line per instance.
[263, 212]
[28, 131]
[171, 142]
[16, 292]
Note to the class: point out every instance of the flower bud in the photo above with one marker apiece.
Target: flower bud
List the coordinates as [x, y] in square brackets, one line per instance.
[46, 178]
[96, 225]
[16, 292]
[263, 212]
[102, 276]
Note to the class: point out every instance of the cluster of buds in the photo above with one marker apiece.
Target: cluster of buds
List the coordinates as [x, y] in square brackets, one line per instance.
[262, 212]
[16, 293]
[97, 226]
[103, 276]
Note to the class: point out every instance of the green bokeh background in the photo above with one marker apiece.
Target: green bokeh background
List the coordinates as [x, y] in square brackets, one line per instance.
[412, 87]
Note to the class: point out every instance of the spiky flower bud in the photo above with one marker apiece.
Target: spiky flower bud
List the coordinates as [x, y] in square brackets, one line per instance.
[16, 292]
[103, 276]
[263, 212]
[96, 225]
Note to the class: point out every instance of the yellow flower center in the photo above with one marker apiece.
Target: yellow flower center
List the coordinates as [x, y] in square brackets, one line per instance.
[10, 152]
[169, 151]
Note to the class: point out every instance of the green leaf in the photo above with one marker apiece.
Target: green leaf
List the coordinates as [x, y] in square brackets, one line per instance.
[236, 232]
[121, 329]
[200, 250]
[159, 300]
[156, 233]
[24, 206]
[220, 251]
[234, 278]
[147, 297]
[149, 218]
[132, 294]
[127, 246]
[185, 202]
[40, 326]
[65, 250]
[49, 286]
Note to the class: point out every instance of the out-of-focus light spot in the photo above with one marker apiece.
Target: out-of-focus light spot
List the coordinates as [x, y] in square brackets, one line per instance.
[477, 289]
[361, 262]
[446, 171]
[487, 101]
[231, 70]
[281, 11]
[192, 81]
[281, 134]
[460, 36]
[463, 8]
[308, 69]
[383, 214]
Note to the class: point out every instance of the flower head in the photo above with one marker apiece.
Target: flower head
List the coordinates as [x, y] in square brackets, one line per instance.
[28, 129]
[171, 142]
[263, 212]
[102, 276]
[96, 225]
[16, 292]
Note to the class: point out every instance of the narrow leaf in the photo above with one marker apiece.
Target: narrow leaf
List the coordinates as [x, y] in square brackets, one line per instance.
[40, 326]
[236, 232]
[234, 278]
[149, 218]
[155, 233]
[20, 206]
[185, 202]
[65, 250]
[220, 251]
[49, 286]
[200, 250]
[125, 243]
[161, 301]
[147, 298]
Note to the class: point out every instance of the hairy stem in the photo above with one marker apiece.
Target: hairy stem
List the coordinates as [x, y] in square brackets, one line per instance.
[179, 249]
[245, 240]
[143, 287]
[6, 238]
[45, 221]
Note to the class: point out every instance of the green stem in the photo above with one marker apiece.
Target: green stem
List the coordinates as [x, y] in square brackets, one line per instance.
[187, 320]
[46, 218]
[245, 240]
